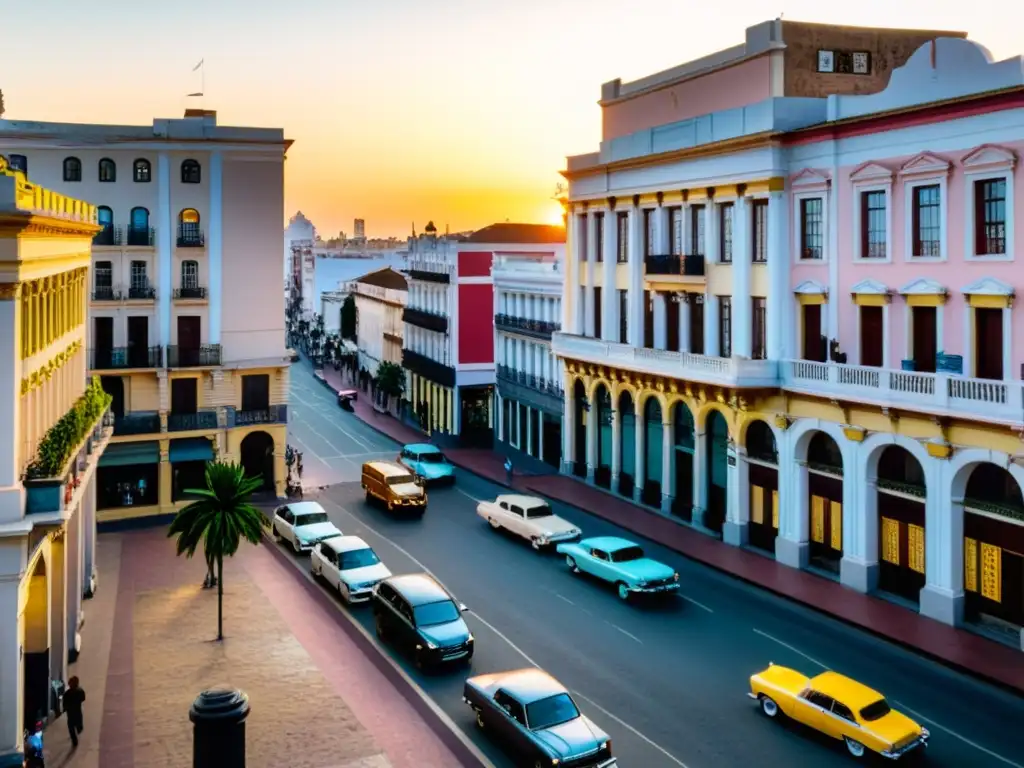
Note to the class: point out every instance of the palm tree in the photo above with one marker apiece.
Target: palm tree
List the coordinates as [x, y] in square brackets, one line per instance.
[219, 519]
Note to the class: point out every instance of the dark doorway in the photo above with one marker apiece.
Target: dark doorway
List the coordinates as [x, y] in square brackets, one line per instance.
[763, 473]
[256, 392]
[684, 445]
[184, 395]
[257, 455]
[924, 325]
[114, 386]
[872, 336]
[988, 340]
[552, 447]
[814, 345]
[901, 520]
[475, 417]
[696, 323]
[103, 342]
[580, 407]
[138, 341]
[717, 471]
[648, 320]
[825, 502]
[672, 319]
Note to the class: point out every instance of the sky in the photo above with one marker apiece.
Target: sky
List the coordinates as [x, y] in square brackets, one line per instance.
[404, 111]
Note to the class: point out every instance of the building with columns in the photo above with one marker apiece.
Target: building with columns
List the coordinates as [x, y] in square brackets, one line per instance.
[54, 430]
[381, 297]
[186, 310]
[528, 287]
[789, 320]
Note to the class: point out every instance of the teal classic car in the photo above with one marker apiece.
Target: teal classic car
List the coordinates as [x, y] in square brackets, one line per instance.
[622, 563]
[427, 463]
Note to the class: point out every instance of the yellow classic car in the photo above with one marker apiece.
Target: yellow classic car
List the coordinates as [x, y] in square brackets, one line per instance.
[838, 707]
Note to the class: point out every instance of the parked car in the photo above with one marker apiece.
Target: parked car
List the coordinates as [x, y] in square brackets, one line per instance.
[303, 524]
[838, 707]
[536, 717]
[428, 463]
[346, 397]
[393, 485]
[418, 615]
[528, 517]
[350, 565]
[622, 563]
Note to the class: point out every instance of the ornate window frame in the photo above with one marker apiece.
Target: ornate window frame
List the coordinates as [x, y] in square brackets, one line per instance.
[871, 177]
[923, 170]
[985, 162]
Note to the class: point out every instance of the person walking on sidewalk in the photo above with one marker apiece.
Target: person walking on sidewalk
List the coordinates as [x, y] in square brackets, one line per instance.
[508, 471]
[74, 697]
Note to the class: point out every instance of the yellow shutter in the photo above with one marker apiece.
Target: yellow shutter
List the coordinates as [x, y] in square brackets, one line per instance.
[991, 572]
[915, 548]
[890, 541]
[817, 519]
[775, 510]
[970, 565]
[757, 504]
[836, 523]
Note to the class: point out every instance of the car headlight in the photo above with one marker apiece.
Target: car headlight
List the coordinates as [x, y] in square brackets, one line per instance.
[470, 639]
[675, 577]
[925, 733]
[431, 646]
[544, 537]
[605, 745]
[641, 583]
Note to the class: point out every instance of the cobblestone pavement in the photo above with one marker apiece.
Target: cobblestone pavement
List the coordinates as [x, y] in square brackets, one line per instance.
[149, 648]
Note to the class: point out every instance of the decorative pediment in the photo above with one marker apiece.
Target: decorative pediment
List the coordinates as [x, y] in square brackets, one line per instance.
[923, 286]
[809, 177]
[989, 157]
[811, 288]
[988, 286]
[925, 164]
[870, 288]
[871, 172]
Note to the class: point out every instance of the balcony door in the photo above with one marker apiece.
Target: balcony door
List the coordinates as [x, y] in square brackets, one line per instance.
[697, 323]
[256, 392]
[923, 321]
[872, 335]
[189, 327]
[103, 342]
[814, 347]
[988, 343]
[138, 341]
[184, 395]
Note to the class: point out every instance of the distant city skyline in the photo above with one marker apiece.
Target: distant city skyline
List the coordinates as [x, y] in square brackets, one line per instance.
[425, 113]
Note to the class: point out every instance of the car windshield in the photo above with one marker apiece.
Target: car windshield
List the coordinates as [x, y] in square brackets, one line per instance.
[400, 479]
[627, 554]
[552, 711]
[441, 612]
[311, 519]
[542, 511]
[358, 558]
[875, 711]
[434, 457]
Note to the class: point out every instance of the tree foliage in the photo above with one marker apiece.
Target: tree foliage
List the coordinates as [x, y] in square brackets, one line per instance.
[348, 317]
[391, 379]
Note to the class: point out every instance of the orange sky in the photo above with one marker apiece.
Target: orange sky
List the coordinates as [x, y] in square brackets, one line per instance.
[460, 111]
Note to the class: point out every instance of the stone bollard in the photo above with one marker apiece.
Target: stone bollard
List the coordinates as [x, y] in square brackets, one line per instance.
[218, 719]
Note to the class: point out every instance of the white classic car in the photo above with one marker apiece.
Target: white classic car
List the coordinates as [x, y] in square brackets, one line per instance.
[528, 517]
[350, 565]
[303, 524]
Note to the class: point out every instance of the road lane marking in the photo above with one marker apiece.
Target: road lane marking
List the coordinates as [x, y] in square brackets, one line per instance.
[790, 647]
[563, 597]
[630, 635]
[695, 602]
[956, 735]
[632, 730]
[476, 501]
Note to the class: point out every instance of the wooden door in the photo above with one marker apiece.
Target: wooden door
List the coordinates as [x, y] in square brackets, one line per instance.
[872, 334]
[672, 318]
[697, 323]
[188, 332]
[988, 341]
[184, 395]
[648, 320]
[924, 325]
[813, 347]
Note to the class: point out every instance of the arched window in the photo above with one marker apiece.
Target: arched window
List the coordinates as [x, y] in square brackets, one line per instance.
[191, 173]
[142, 171]
[72, 169]
[189, 233]
[18, 163]
[105, 218]
[138, 229]
[108, 170]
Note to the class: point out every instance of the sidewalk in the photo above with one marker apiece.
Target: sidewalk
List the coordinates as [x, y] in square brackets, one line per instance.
[148, 649]
[957, 648]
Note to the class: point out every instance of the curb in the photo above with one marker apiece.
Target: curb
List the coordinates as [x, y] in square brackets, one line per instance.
[468, 754]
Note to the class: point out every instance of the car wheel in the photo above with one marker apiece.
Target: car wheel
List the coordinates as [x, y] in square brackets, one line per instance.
[769, 707]
[623, 591]
[480, 720]
[345, 596]
[274, 534]
[312, 567]
[369, 498]
[381, 632]
[419, 661]
[571, 562]
[296, 547]
[855, 748]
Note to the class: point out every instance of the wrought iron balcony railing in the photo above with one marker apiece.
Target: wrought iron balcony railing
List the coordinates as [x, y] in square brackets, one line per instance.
[109, 235]
[532, 381]
[439, 373]
[428, 320]
[119, 358]
[690, 265]
[137, 424]
[107, 293]
[189, 237]
[142, 292]
[141, 236]
[184, 422]
[538, 328]
[192, 357]
[272, 414]
[192, 292]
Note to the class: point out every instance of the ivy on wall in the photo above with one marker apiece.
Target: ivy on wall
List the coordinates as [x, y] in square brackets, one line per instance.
[70, 430]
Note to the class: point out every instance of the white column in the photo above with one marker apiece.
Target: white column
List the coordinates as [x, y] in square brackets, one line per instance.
[711, 248]
[942, 598]
[569, 436]
[500, 431]
[592, 267]
[89, 539]
[570, 310]
[781, 330]
[684, 323]
[609, 294]
[10, 419]
[668, 467]
[73, 549]
[737, 513]
[710, 325]
[635, 329]
[700, 480]
[592, 435]
[11, 668]
[164, 246]
[616, 442]
[524, 445]
[660, 320]
[742, 324]
[791, 545]
[662, 231]
[639, 454]
[214, 244]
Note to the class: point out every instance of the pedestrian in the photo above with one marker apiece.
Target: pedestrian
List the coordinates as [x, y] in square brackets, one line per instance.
[508, 471]
[74, 697]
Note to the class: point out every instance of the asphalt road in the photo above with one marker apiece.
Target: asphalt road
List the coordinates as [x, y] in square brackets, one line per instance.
[667, 679]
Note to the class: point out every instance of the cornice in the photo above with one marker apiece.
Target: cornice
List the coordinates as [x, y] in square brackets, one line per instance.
[33, 225]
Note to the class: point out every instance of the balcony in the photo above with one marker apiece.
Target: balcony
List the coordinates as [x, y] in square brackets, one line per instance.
[720, 371]
[186, 422]
[141, 237]
[120, 358]
[142, 292]
[272, 414]
[109, 235]
[430, 271]
[540, 329]
[107, 293]
[193, 357]
[941, 394]
[192, 293]
[428, 320]
[533, 390]
[190, 237]
[421, 365]
[675, 268]
[137, 424]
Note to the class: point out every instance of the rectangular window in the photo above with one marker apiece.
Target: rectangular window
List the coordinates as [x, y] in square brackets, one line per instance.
[812, 228]
[582, 219]
[597, 312]
[872, 225]
[725, 232]
[927, 220]
[649, 238]
[623, 317]
[18, 163]
[622, 244]
[725, 326]
[675, 219]
[139, 281]
[697, 230]
[599, 238]
[990, 217]
[759, 321]
[104, 275]
[759, 232]
[256, 392]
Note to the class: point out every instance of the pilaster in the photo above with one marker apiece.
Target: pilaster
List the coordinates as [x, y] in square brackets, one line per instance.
[11, 667]
[668, 475]
[635, 324]
[609, 293]
[942, 598]
[684, 322]
[214, 244]
[164, 245]
[781, 332]
[700, 477]
[616, 445]
[737, 515]
[711, 341]
[742, 324]
[569, 435]
[10, 399]
[660, 320]
[639, 453]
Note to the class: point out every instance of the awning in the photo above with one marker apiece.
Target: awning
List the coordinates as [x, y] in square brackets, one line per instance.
[126, 454]
[191, 449]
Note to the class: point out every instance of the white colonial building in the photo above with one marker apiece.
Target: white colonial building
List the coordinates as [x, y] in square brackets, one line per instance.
[380, 301]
